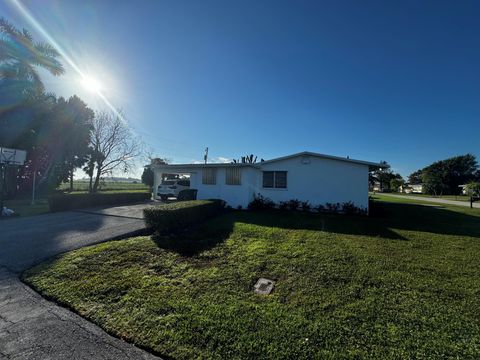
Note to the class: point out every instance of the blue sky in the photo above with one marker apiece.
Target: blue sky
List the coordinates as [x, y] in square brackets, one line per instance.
[374, 80]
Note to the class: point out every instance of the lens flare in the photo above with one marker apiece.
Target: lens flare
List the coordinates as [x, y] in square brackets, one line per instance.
[91, 84]
[94, 85]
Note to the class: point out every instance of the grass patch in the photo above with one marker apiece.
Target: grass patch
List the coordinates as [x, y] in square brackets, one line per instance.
[445, 197]
[403, 283]
[24, 207]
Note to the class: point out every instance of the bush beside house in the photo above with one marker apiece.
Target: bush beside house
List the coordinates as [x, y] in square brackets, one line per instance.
[180, 215]
[263, 203]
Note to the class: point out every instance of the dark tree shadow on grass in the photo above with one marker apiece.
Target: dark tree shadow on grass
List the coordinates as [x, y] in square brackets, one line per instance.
[384, 219]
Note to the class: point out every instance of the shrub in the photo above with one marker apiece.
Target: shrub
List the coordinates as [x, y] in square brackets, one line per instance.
[320, 208]
[350, 208]
[332, 207]
[473, 189]
[187, 194]
[306, 206]
[293, 204]
[260, 203]
[63, 202]
[173, 217]
[283, 205]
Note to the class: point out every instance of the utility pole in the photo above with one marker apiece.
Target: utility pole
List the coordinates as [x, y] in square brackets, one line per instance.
[205, 157]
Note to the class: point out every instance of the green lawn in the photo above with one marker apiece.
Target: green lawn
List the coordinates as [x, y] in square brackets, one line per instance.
[24, 207]
[402, 283]
[446, 197]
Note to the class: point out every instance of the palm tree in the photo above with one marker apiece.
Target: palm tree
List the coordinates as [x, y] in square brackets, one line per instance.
[20, 56]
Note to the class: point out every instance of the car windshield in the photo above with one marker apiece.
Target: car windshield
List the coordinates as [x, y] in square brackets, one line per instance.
[168, 182]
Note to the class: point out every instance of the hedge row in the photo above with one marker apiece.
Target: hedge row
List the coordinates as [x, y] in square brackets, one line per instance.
[180, 215]
[62, 202]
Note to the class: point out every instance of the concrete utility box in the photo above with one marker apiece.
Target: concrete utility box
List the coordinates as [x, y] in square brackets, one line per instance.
[264, 286]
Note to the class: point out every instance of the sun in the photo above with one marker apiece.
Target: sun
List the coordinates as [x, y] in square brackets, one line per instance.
[91, 84]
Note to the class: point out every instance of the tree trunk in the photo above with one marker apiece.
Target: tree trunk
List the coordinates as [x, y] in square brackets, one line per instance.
[97, 180]
[90, 177]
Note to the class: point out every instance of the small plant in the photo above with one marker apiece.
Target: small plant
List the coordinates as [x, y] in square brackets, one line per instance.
[332, 207]
[260, 203]
[306, 206]
[350, 209]
[283, 205]
[293, 204]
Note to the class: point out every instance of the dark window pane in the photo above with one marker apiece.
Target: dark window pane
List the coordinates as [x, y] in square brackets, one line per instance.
[268, 179]
[281, 179]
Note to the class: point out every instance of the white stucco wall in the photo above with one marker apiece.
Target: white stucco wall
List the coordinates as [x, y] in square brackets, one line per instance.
[314, 179]
[319, 180]
[234, 195]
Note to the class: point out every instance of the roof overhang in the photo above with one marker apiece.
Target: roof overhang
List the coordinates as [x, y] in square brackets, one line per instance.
[193, 167]
[371, 165]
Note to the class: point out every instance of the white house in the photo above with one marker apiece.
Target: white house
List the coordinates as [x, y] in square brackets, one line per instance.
[305, 176]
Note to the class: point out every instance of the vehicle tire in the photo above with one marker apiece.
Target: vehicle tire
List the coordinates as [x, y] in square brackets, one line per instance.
[163, 197]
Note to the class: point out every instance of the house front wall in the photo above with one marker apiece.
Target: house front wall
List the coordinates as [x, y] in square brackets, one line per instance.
[234, 195]
[313, 179]
[319, 181]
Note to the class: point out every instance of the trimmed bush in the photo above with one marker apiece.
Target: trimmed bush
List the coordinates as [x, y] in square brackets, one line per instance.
[63, 202]
[177, 216]
[351, 209]
[261, 203]
[306, 206]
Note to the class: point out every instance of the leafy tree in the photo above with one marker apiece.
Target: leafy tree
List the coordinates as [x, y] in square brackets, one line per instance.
[54, 132]
[415, 178]
[473, 188]
[395, 183]
[76, 119]
[20, 56]
[445, 176]
[384, 176]
[148, 176]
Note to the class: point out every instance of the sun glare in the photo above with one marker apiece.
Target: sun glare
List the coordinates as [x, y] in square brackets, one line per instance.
[91, 84]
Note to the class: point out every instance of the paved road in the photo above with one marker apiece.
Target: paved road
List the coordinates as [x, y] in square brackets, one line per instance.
[34, 328]
[434, 200]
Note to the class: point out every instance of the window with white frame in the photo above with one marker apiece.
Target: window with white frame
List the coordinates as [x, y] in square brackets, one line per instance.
[233, 176]
[209, 176]
[275, 179]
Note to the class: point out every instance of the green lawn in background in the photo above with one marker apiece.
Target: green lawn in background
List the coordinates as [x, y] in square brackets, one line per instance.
[24, 207]
[402, 283]
[446, 197]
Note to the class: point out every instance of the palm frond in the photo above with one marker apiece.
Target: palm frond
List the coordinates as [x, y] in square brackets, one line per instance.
[27, 35]
[7, 28]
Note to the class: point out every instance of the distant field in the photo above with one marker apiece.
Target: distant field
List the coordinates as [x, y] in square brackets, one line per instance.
[105, 186]
[23, 206]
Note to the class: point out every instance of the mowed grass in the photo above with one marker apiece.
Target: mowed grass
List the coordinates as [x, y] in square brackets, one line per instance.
[446, 197]
[24, 207]
[402, 283]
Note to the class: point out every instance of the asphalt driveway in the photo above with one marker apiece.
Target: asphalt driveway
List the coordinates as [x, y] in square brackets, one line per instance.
[34, 328]
[27, 241]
